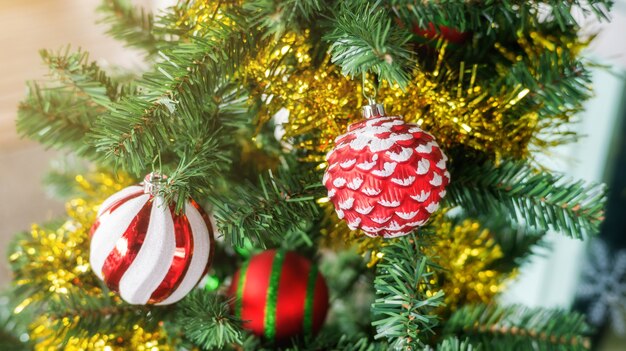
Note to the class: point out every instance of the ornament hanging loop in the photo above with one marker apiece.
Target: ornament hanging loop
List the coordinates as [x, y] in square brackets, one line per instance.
[154, 183]
[371, 99]
[372, 109]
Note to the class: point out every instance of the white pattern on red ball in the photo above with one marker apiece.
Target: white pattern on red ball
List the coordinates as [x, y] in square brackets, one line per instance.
[386, 177]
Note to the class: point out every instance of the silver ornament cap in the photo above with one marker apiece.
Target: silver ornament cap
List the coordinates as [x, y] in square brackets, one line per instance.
[373, 110]
[153, 183]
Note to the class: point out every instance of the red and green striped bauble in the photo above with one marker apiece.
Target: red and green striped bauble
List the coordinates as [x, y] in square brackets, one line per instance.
[279, 295]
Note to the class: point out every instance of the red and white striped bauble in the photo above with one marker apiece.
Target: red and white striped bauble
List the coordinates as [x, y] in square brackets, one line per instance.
[145, 251]
[385, 176]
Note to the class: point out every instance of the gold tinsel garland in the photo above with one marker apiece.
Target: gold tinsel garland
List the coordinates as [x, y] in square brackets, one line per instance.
[197, 16]
[450, 103]
[465, 251]
[55, 261]
[125, 338]
[320, 100]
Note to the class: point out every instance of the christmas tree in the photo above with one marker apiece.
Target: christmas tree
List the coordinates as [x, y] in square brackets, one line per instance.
[272, 212]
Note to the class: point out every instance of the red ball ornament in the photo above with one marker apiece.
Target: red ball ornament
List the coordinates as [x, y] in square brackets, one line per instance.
[279, 295]
[385, 176]
[146, 252]
[447, 33]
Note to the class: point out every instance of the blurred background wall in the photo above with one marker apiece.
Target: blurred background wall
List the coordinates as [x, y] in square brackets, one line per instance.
[26, 27]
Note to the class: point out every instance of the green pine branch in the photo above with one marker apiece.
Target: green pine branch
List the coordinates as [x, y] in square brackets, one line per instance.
[520, 328]
[519, 246]
[186, 100]
[278, 17]
[9, 340]
[340, 342]
[56, 118]
[323, 341]
[454, 344]
[130, 24]
[13, 327]
[365, 39]
[202, 160]
[139, 127]
[519, 243]
[206, 320]
[78, 314]
[540, 200]
[492, 17]
[558, 81]
[264, 213]
[563, 14]
[61, 112]
[359, 344]
[74, 71]
[406, 300]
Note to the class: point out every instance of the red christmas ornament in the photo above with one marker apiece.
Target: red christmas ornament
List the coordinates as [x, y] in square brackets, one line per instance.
[279, 295]
[146, 252]
[385, 176]
[447, 33]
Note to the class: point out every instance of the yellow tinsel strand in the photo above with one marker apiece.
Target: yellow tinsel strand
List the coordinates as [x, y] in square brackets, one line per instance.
[197, 16]
[59, 258]
[320, 100]
[465, 251]
[448, 102]
[124, 339]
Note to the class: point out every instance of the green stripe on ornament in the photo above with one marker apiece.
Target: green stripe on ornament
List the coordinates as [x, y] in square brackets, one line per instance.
[308, 302]
[240, 287]
[272, 295]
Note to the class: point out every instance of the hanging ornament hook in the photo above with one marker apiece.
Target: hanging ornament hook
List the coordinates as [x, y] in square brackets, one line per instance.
[154, 183]
[372, 109]
[371, 100]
